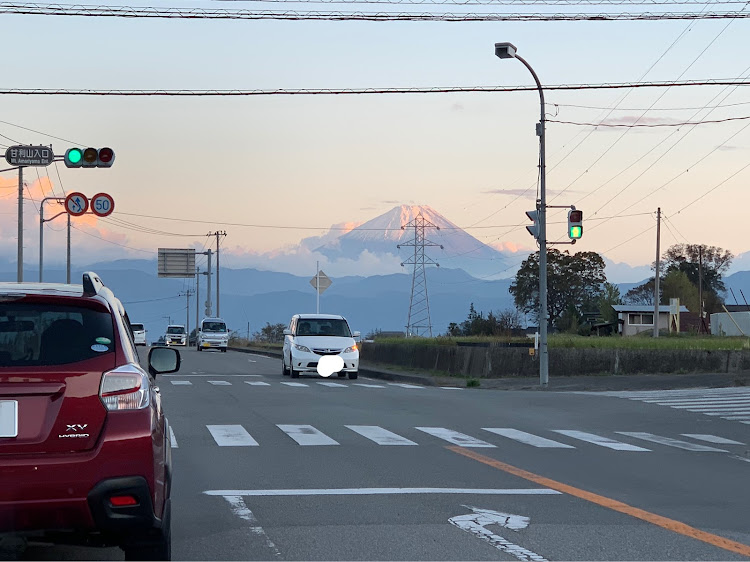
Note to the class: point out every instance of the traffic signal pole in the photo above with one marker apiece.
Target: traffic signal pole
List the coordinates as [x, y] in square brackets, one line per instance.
[19, 275]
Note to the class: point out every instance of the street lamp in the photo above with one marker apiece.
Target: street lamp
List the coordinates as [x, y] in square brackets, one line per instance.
[508, 51]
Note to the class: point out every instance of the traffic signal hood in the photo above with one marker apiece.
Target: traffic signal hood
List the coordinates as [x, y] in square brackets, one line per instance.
[533, 229]
[89, 157]
[575, 224]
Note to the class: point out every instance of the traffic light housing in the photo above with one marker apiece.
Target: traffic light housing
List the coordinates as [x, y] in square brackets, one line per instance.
[89, 157]
[575, 224]
[533, 229]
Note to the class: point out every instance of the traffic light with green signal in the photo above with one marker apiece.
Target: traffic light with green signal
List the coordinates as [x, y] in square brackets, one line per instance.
[89, 157]
[575, 224]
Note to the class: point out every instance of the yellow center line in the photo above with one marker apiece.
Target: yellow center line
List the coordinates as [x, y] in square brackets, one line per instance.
[664, 522]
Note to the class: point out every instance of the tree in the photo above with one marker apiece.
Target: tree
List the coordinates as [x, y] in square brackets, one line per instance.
[643, 294]
[493, 325]
[676, 284]
[572, 281]
[270, 333]
[610, 296]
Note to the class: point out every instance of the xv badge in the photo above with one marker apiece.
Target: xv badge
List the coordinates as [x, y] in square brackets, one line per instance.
[477, 522]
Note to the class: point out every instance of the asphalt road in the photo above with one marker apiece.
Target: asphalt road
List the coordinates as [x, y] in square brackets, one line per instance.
[333, 469]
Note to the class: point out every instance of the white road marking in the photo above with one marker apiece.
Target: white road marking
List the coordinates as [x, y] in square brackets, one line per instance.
[669, 442]
[231, 436]
[404, 385]
[220, 383]
[528, 438]
[737, 418]
[712, 438]
[332, 384]
[306, 435]
[204, 375]
[455, 437]
[240, 509]
[369, 385]
[700, 401]
[739, 458]
[172, 438]
[294, 384]
[257, 383]
[251, 361]
[379, 435]
[181, 383]
[598, 440]
[262, 356]
[722, 413]
[451, 388]
[476, 523]
[717, 406]
[387, 491]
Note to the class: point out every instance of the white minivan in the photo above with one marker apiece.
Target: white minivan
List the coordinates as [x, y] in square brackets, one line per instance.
[139, 333]
[212, 334]
[311, 336]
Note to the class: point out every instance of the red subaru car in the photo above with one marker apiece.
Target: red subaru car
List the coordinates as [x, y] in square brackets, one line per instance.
[85, 453]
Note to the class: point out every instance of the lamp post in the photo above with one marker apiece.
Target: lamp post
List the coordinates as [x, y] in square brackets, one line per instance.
[508, 51]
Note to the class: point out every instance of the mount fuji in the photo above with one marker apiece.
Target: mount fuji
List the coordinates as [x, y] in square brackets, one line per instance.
[452, 247]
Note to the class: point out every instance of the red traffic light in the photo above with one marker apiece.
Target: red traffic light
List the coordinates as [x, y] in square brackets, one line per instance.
[575, 216]
[106, 155]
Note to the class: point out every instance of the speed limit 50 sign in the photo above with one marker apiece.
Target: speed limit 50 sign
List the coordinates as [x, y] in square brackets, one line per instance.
[102, 204]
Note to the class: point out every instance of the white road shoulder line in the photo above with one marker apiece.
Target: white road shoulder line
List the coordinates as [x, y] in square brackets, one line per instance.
[240, 509]
[306, 435]
[172, 438]
[231, 436]
[669, 442]
[712, 439]
[455, 437]
[599, 440]
[379, 435]
[527, 438]
[387, 491]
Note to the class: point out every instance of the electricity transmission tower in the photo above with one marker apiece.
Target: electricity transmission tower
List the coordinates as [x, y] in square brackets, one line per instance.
[419, 323]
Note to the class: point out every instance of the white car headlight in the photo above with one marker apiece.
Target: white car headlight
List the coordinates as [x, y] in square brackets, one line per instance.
[351, 349]
[302, 348]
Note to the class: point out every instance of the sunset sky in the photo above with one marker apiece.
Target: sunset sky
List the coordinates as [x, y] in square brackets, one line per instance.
[295, 165]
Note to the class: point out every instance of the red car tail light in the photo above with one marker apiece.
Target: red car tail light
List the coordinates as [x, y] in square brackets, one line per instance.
[125, 388]
[122, 501]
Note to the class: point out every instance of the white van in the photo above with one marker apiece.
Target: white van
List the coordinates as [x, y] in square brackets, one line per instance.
[175, 335]
[139, 333]
[212, 334]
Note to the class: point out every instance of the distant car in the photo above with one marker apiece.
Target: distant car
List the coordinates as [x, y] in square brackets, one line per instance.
[84, 442]
[311, 336]
[139, 334]
[175, 335]
[213, 334]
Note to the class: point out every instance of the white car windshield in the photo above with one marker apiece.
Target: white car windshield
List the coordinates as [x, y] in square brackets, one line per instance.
[137, 327]
[323, 327]
[214, 327]
[177, 330]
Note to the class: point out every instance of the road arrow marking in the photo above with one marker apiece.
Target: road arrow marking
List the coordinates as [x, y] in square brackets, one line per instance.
[477, 522]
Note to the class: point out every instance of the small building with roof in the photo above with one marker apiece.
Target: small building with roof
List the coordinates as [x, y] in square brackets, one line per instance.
[636, 318]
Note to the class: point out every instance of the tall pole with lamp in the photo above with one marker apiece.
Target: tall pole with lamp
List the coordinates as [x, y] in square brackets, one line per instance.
[508, 51]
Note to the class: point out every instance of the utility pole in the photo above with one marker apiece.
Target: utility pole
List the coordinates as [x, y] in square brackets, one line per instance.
[19, 275]
[418, 323]
[197, 298]
[208, 283]
[656, 276]
[218, 233]
[187, 295]
[701, 326]
[68, 268]
[317, 287]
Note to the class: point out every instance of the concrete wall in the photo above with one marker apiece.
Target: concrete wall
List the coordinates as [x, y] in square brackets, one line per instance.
[496, 361]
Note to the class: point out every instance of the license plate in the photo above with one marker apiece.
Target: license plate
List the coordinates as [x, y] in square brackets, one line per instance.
[8, 418]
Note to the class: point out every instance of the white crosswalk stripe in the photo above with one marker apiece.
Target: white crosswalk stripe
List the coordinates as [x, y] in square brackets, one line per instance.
[599, 440]
[369, 385]
[731, 403]
[455, 437]
[231, 436]
[404, 385]
[669, 442]
[181, 383]
[527, 438]
[306, 435]
[712, 439]
[380, 436]
[297, 384]
[257, 383]
[332, 384]
[221, 383]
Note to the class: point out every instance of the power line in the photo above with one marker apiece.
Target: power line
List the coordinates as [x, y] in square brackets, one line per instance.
[225, 14]
[647, 109]
[503, 2]
[647, 125]
[373, 91]
[40, 133]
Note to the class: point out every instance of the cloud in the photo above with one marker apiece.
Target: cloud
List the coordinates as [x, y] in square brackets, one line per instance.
[524, 192]
[511, 247]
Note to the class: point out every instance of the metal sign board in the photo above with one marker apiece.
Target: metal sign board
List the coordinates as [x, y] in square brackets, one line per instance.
[321, 281]
[76, 204]
[28, 155]
[102, 204]
[176, 262]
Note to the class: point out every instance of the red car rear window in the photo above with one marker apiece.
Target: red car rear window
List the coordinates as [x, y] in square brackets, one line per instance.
[41, 334]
